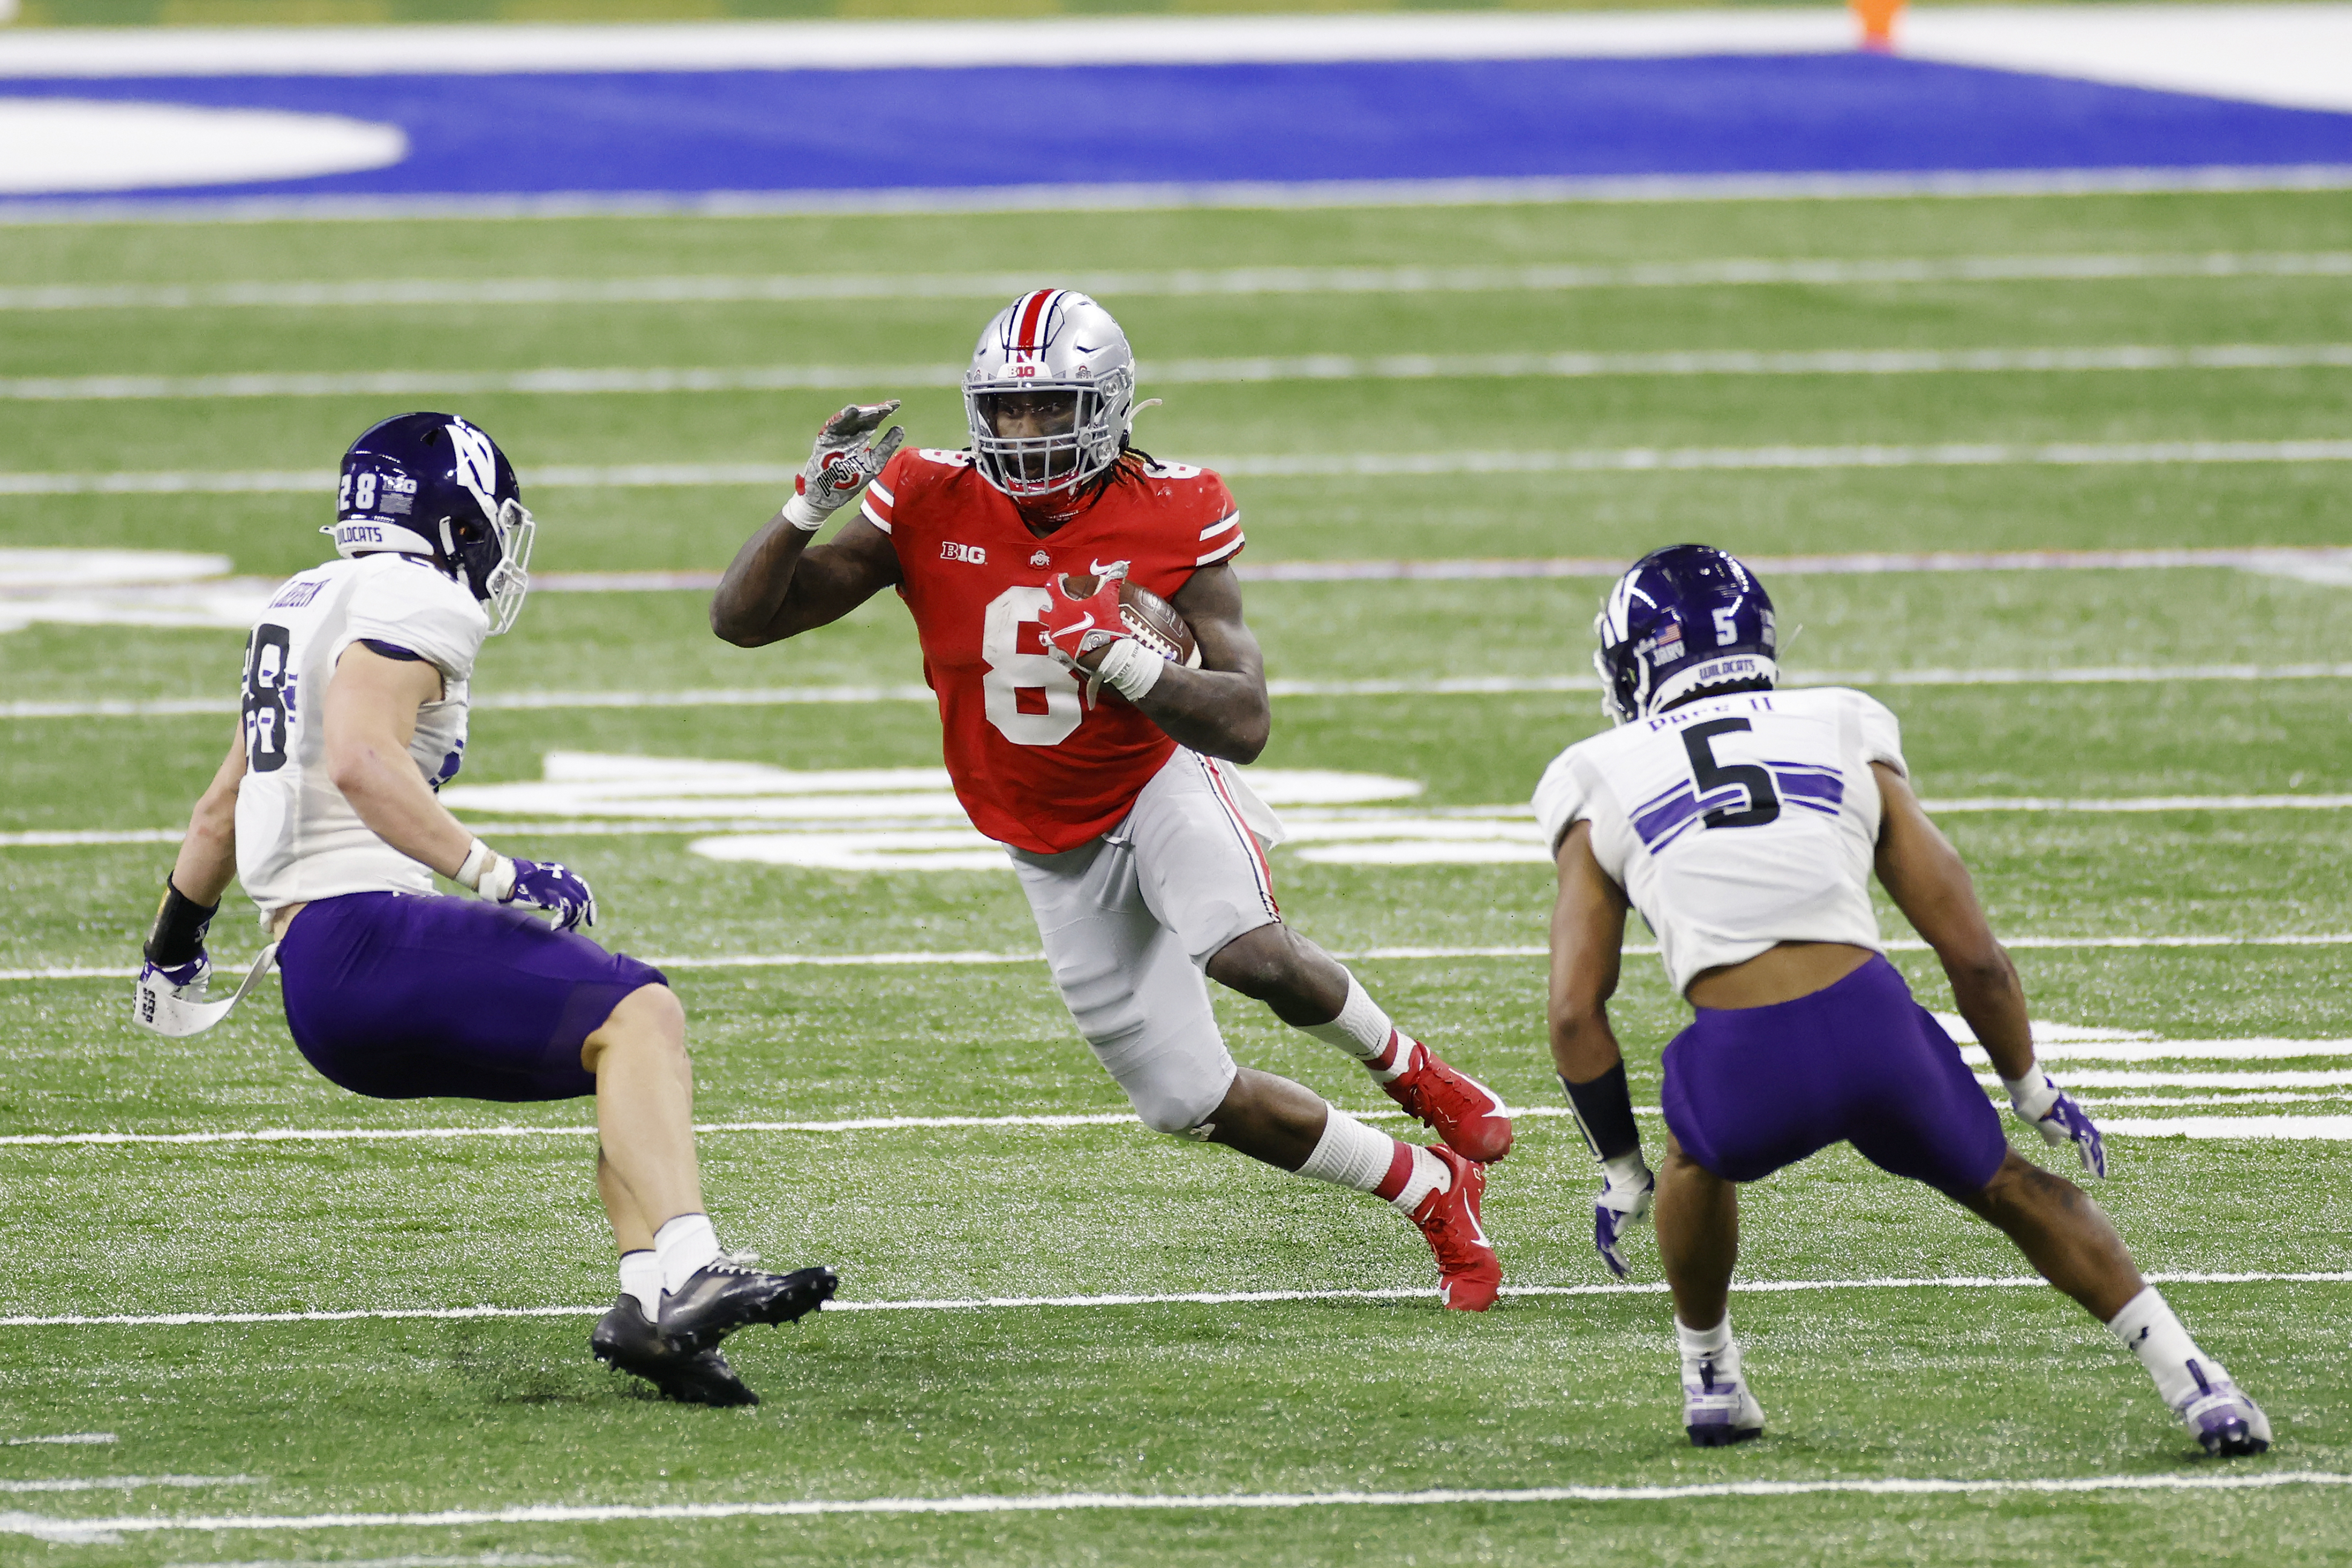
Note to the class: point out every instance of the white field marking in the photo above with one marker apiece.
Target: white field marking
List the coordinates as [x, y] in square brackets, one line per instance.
[108, 1531]
[1048, 1121]
[62, 146]
[480, 1560]
[1163, 1299]
[639, 381]
[90, 1531]
[2155, 1050]
[2095, 1077]
[125, 1483]
[2320, 1129]
[2294, 55]
[1226, 282]
[2098, 1101]
[1315, 464]
[1482, 686]
[1363, 955]
[1230, 195]
[69, 1437]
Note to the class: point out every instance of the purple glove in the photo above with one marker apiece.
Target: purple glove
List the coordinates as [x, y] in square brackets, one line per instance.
[551, 886]
[2041, 1104]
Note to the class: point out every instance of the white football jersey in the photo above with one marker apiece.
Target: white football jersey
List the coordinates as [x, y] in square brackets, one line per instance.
[297, 837]
[1736, 821]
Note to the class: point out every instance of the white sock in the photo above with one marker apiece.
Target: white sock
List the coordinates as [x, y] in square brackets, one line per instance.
[1429, 1175]
[1709, 1344]
[641, 1277]
[1361, 1030]
[684, 1243]
[1349, 1154]
[2149, 1331]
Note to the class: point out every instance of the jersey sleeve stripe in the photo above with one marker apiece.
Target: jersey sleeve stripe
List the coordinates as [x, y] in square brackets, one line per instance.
[865, 509]
[1213, 556]
[879, 492]
[1211, 532]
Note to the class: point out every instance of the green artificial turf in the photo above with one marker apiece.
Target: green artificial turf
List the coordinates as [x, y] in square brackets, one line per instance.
[1335, 1391]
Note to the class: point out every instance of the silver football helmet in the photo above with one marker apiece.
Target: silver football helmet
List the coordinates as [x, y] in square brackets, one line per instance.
[1050, 341]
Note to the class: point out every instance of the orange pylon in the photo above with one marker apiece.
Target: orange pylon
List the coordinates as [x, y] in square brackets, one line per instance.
[1877, 18]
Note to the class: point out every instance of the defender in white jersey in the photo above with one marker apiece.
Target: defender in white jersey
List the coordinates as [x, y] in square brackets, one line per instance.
[356, 682]
[1745, 823]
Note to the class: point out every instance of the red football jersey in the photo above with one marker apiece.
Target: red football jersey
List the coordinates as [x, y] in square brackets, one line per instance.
[1034, 767]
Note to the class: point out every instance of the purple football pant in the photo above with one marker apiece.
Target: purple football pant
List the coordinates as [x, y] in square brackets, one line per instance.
[399, 997]
[1750, 1090]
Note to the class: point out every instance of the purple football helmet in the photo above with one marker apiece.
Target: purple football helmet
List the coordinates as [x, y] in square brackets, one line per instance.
[434, 485]
[1681, 620]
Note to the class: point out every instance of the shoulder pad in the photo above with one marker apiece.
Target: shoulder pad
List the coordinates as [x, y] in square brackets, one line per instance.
[943, 456]
[1174, 470]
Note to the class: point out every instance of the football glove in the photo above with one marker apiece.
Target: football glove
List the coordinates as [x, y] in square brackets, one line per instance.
[2041, 1104]
[175, 999]
[529, 884]
[1624, 1198]
[844, 463]
[1073, 627]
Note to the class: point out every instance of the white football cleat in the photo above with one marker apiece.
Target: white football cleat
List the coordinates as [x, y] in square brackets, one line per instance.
[2225, 1423]
[1719, 1407]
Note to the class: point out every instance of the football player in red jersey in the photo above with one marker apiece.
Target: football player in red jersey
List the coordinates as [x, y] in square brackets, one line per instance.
[1100, 765]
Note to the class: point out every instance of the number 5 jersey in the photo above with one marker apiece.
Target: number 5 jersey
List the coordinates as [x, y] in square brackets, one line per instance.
[1735, 823]
[1034, 766]
[297, 837]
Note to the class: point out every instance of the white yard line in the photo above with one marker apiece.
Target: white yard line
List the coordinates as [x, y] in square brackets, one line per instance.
[1223, 283]
[124, 1483]
[1479, 685]
[1057, 1121]
[97, 1531]
[1304, 465]
[635, 381]
[1369, 955]
[65, 1437]
[1161, 1298]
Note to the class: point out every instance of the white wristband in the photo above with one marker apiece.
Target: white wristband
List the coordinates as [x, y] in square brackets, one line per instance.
[2032, 1095]
[1130, 668]
[803, 516]
[486, 871]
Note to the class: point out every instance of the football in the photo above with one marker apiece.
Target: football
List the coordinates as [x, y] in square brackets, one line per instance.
[1153, 619]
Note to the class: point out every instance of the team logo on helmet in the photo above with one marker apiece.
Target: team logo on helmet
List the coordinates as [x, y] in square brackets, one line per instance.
[1684, 619]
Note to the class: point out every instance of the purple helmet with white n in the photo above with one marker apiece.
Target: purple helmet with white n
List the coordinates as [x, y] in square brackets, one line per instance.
[1680, 621]
[434, 485]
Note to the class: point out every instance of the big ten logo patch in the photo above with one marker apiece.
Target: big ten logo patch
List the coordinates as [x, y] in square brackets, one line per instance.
[971, 554]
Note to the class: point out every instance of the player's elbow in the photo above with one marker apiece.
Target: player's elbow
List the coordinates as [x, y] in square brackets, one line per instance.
[1246, 734]
[730, 625]
[353, 767]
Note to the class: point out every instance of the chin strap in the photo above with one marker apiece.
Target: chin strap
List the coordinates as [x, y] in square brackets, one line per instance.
[161, 1009]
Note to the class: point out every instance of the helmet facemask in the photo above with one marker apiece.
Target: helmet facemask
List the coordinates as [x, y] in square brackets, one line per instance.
[495, 557]
[1082, 443]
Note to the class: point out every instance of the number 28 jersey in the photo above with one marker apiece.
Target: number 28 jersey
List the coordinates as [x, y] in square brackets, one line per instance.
[297, 837]
[1033, 764]
[1735, 823]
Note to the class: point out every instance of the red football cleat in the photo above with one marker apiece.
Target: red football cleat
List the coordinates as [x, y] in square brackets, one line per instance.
[1468, 1273]
[1468, 1115]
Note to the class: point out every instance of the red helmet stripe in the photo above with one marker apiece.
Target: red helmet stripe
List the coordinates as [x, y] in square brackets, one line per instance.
[1033, 316]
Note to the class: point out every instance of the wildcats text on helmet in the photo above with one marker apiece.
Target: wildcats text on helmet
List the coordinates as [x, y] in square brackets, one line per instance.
[435, 485]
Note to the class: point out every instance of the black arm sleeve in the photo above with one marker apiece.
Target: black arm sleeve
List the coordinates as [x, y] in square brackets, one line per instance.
[1604, 1114]
[180, 926]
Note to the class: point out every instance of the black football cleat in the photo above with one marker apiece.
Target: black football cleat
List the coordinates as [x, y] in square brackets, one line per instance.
[721, 1297]
[625, 1339]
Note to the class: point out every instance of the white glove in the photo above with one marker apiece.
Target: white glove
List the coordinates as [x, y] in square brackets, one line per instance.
[2041, 1104]
[843, 463]
[1624, 1198]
